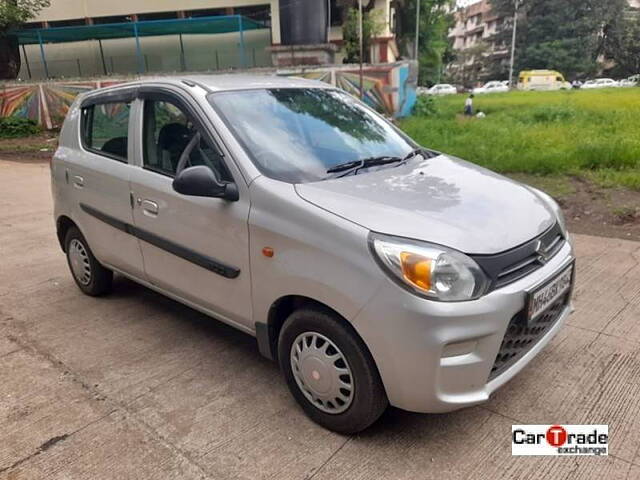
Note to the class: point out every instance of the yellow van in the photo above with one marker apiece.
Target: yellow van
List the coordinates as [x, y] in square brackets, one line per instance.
[542, 80]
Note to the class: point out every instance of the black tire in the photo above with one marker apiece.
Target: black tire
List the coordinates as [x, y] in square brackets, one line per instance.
[100, 278]
[369, 399]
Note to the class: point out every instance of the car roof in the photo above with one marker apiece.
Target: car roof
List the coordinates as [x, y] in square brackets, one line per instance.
[217, 83]
[246, 81]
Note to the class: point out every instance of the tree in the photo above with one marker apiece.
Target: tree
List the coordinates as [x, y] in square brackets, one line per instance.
[12, 14]
[469, 64]
[371, 26]
[435, 21]
[623, 47]
[569, 36]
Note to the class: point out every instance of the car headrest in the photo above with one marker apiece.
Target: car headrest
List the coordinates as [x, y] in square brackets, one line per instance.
[116, 146]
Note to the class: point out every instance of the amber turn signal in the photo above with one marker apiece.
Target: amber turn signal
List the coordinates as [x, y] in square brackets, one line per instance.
[267, 252]
[417, 270]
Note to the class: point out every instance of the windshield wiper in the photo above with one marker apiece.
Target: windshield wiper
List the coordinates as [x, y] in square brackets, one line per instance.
[354, 166]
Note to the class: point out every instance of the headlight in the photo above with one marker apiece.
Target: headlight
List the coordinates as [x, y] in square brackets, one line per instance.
[556, 209]
[430, 270]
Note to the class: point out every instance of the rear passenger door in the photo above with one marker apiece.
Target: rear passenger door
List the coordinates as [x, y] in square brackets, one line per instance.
[98, 176]
[194, 247]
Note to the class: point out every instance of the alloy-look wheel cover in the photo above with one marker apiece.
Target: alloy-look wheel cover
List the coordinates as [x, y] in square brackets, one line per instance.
[322, 372]
[79, 260]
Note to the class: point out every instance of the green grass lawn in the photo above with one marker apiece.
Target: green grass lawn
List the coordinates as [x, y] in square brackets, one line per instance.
[594, 134]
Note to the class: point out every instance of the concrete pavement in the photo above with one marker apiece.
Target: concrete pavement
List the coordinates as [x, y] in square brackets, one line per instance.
[134, 385]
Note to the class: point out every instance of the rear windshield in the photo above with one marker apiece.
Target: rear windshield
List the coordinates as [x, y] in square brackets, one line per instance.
[296, 134]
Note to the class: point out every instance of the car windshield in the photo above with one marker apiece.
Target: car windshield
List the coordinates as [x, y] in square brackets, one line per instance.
[296, 134]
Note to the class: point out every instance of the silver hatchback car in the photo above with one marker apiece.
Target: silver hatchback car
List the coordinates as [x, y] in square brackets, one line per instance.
[375, 271]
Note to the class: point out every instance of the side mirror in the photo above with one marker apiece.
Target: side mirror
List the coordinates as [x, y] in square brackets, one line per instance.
[200, 181]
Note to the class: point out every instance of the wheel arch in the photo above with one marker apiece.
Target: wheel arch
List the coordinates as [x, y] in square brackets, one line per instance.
[63, 224]
[267, 333]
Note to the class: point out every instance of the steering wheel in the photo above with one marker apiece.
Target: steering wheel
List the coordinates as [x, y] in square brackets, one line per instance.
[184, 158]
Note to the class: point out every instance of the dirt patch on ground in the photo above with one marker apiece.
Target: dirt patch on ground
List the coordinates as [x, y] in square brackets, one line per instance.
[610, 212]
[36, 148]
[589, 208]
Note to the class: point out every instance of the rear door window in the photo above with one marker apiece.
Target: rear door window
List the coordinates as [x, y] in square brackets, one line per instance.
[105, 129]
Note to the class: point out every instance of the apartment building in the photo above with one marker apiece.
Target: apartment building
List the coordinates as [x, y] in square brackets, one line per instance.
[474, 24]
[472, 39]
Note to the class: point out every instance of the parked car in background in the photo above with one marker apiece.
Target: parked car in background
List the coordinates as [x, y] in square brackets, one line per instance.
[442, 89]
[632, 81]
[494, 86]
[600, 83]
[542, 80]
[375, 271]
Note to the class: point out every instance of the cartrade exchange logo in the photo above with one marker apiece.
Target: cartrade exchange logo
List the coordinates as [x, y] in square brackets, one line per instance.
[560, 440]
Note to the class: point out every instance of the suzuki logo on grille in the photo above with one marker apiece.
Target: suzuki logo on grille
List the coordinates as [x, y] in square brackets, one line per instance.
[542, 252]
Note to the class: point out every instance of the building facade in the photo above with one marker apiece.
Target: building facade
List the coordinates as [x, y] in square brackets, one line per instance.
[472, 38]
[169, 53]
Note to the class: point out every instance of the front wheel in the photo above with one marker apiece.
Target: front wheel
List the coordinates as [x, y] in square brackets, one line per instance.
[330, 372]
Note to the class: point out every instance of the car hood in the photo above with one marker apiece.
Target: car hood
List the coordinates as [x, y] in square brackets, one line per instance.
[441, 200]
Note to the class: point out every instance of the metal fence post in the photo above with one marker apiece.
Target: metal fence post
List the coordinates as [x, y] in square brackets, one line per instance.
[242, 59]
[26, 61]
[104, 65]
[183, 61]
[138, 49]
[44, 58]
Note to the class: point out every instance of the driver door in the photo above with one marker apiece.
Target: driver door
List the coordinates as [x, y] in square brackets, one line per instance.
[193, 247]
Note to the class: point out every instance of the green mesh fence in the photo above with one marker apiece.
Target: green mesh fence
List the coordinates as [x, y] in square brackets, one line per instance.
[185, 26]
[191, 44]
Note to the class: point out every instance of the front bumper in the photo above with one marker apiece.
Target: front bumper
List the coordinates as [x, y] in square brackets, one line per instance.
[436, 356]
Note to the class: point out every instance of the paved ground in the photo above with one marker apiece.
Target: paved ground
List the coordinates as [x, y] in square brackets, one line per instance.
[137, 386]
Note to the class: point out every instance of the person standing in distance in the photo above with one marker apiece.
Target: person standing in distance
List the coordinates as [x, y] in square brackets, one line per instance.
[468, 106]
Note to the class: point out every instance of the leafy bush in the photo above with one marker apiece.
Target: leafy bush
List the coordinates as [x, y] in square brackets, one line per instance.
[551, 113]
[425, 106]
[13, 127]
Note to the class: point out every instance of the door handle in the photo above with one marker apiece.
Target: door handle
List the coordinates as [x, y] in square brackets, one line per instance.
[78, 181]
[150, 207]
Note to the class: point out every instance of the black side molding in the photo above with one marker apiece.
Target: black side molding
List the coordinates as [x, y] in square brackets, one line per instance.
[203, 261]
[108, 219]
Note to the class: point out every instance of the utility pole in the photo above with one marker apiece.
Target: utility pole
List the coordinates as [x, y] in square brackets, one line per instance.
[361, 48]
[418, 2]
[513, 43]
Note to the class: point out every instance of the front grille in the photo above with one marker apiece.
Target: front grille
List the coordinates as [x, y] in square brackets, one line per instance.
[507, 267]
[520, 338]
[535, 260]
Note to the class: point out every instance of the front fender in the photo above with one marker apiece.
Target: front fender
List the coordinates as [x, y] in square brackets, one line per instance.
[316, 254]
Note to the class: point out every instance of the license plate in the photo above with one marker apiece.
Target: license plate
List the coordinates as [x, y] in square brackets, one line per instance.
[542, 298]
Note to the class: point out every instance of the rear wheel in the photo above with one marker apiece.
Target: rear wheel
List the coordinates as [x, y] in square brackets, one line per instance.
[330, 372]
[90, 276]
